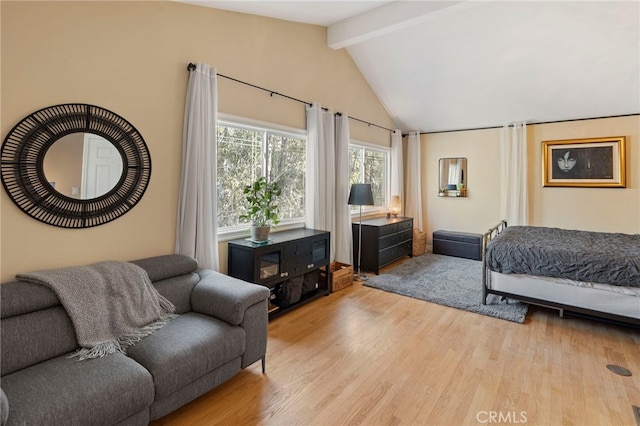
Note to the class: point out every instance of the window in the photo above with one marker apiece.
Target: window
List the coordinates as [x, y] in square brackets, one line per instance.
[370, 165]
[246, 152]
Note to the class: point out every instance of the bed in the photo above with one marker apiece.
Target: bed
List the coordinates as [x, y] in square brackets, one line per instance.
[580, 273]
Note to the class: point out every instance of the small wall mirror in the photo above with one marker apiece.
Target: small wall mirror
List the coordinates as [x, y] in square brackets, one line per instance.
[452, 179]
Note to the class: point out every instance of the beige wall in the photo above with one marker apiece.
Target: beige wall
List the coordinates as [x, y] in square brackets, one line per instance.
[596, 209]
[481, 207]
[131, 58]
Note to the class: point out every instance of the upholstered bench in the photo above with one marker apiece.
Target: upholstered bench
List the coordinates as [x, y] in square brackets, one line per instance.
[458, 244]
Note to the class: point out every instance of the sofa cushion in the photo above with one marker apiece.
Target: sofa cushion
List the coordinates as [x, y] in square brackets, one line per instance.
[193, 390]
[66, 391]
[187, 348]
[178, 290]
[35, 337]
[167, 266]
[19, 297]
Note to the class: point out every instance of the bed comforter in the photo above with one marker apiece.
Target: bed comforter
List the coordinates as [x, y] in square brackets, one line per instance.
[610, 258]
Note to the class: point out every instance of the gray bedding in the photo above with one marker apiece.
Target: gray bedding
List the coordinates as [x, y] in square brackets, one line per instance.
[599, 257]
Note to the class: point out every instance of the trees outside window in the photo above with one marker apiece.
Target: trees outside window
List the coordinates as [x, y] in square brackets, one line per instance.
[248, 152]
[370, 165]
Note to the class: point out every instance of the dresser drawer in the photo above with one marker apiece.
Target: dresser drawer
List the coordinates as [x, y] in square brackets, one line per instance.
[405, 248]
[407, 224]
[388, 241]
[388, 229]
[394, 253]
[405, 235]
[387, 255]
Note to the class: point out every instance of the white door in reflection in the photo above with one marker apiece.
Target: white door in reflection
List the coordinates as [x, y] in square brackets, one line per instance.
[102, 166]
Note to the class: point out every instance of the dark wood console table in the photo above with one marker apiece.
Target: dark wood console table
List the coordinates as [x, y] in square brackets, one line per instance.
[288, 263]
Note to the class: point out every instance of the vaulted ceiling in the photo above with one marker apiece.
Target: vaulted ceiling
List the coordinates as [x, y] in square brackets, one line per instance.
[451, 65]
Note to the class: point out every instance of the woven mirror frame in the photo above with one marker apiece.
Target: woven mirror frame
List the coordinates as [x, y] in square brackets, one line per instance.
[22, 167]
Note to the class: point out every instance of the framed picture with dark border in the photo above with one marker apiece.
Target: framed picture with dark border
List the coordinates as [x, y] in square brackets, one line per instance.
[594, 162]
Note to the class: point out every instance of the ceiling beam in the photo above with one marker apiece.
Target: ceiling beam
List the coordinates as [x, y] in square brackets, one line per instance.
[389, 18]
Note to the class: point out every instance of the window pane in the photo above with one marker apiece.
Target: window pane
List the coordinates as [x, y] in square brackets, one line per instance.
[246, 153]
[356, 169]
[286, 162]
[369, 166]
[239, 163]
[375, 173]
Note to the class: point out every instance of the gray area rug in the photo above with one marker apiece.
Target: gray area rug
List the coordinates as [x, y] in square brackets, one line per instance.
[448, 281]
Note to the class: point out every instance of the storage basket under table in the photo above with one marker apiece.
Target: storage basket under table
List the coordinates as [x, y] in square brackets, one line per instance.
[341, 276]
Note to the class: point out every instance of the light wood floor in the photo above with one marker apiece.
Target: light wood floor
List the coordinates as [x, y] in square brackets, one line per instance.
[366, 357]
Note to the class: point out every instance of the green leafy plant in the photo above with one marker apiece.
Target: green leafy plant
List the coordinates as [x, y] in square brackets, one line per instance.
[262, 196]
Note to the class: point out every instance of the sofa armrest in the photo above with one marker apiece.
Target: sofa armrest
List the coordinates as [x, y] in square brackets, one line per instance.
[225, 297]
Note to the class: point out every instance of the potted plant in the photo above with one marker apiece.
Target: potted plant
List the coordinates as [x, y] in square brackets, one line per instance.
[263, 210]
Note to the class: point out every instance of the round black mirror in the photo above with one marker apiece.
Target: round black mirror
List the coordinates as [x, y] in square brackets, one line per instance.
[83, 165]
[33, 165]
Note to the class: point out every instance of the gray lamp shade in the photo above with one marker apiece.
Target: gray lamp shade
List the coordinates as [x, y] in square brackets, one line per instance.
[360, 195]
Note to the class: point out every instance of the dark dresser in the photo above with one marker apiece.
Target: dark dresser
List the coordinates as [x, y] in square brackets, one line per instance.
[384, 240]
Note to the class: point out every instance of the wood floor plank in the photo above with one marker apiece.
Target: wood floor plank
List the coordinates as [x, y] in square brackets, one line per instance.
[363, 356]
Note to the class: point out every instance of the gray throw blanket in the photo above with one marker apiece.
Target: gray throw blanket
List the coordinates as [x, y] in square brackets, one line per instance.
[112, 305]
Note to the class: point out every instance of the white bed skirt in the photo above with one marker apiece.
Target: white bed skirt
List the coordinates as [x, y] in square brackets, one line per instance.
[617, 300]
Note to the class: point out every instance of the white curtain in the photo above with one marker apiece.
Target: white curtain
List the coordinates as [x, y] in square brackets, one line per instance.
[196, 228]
[413, 192]
[397, 167]
[321, 177]
[343, 235]
[513, 189]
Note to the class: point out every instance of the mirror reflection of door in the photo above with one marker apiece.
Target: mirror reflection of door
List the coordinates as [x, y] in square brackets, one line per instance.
[82, 165]
[455, 174]
[101, 168]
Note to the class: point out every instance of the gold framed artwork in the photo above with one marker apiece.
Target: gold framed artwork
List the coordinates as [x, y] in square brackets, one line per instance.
[594, 162]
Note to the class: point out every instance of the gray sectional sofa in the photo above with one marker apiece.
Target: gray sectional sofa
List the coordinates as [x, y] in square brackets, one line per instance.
[221, 329]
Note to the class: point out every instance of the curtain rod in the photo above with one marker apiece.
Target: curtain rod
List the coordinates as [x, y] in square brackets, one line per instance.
[192, 67]
[528, 124]
[367, 123]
